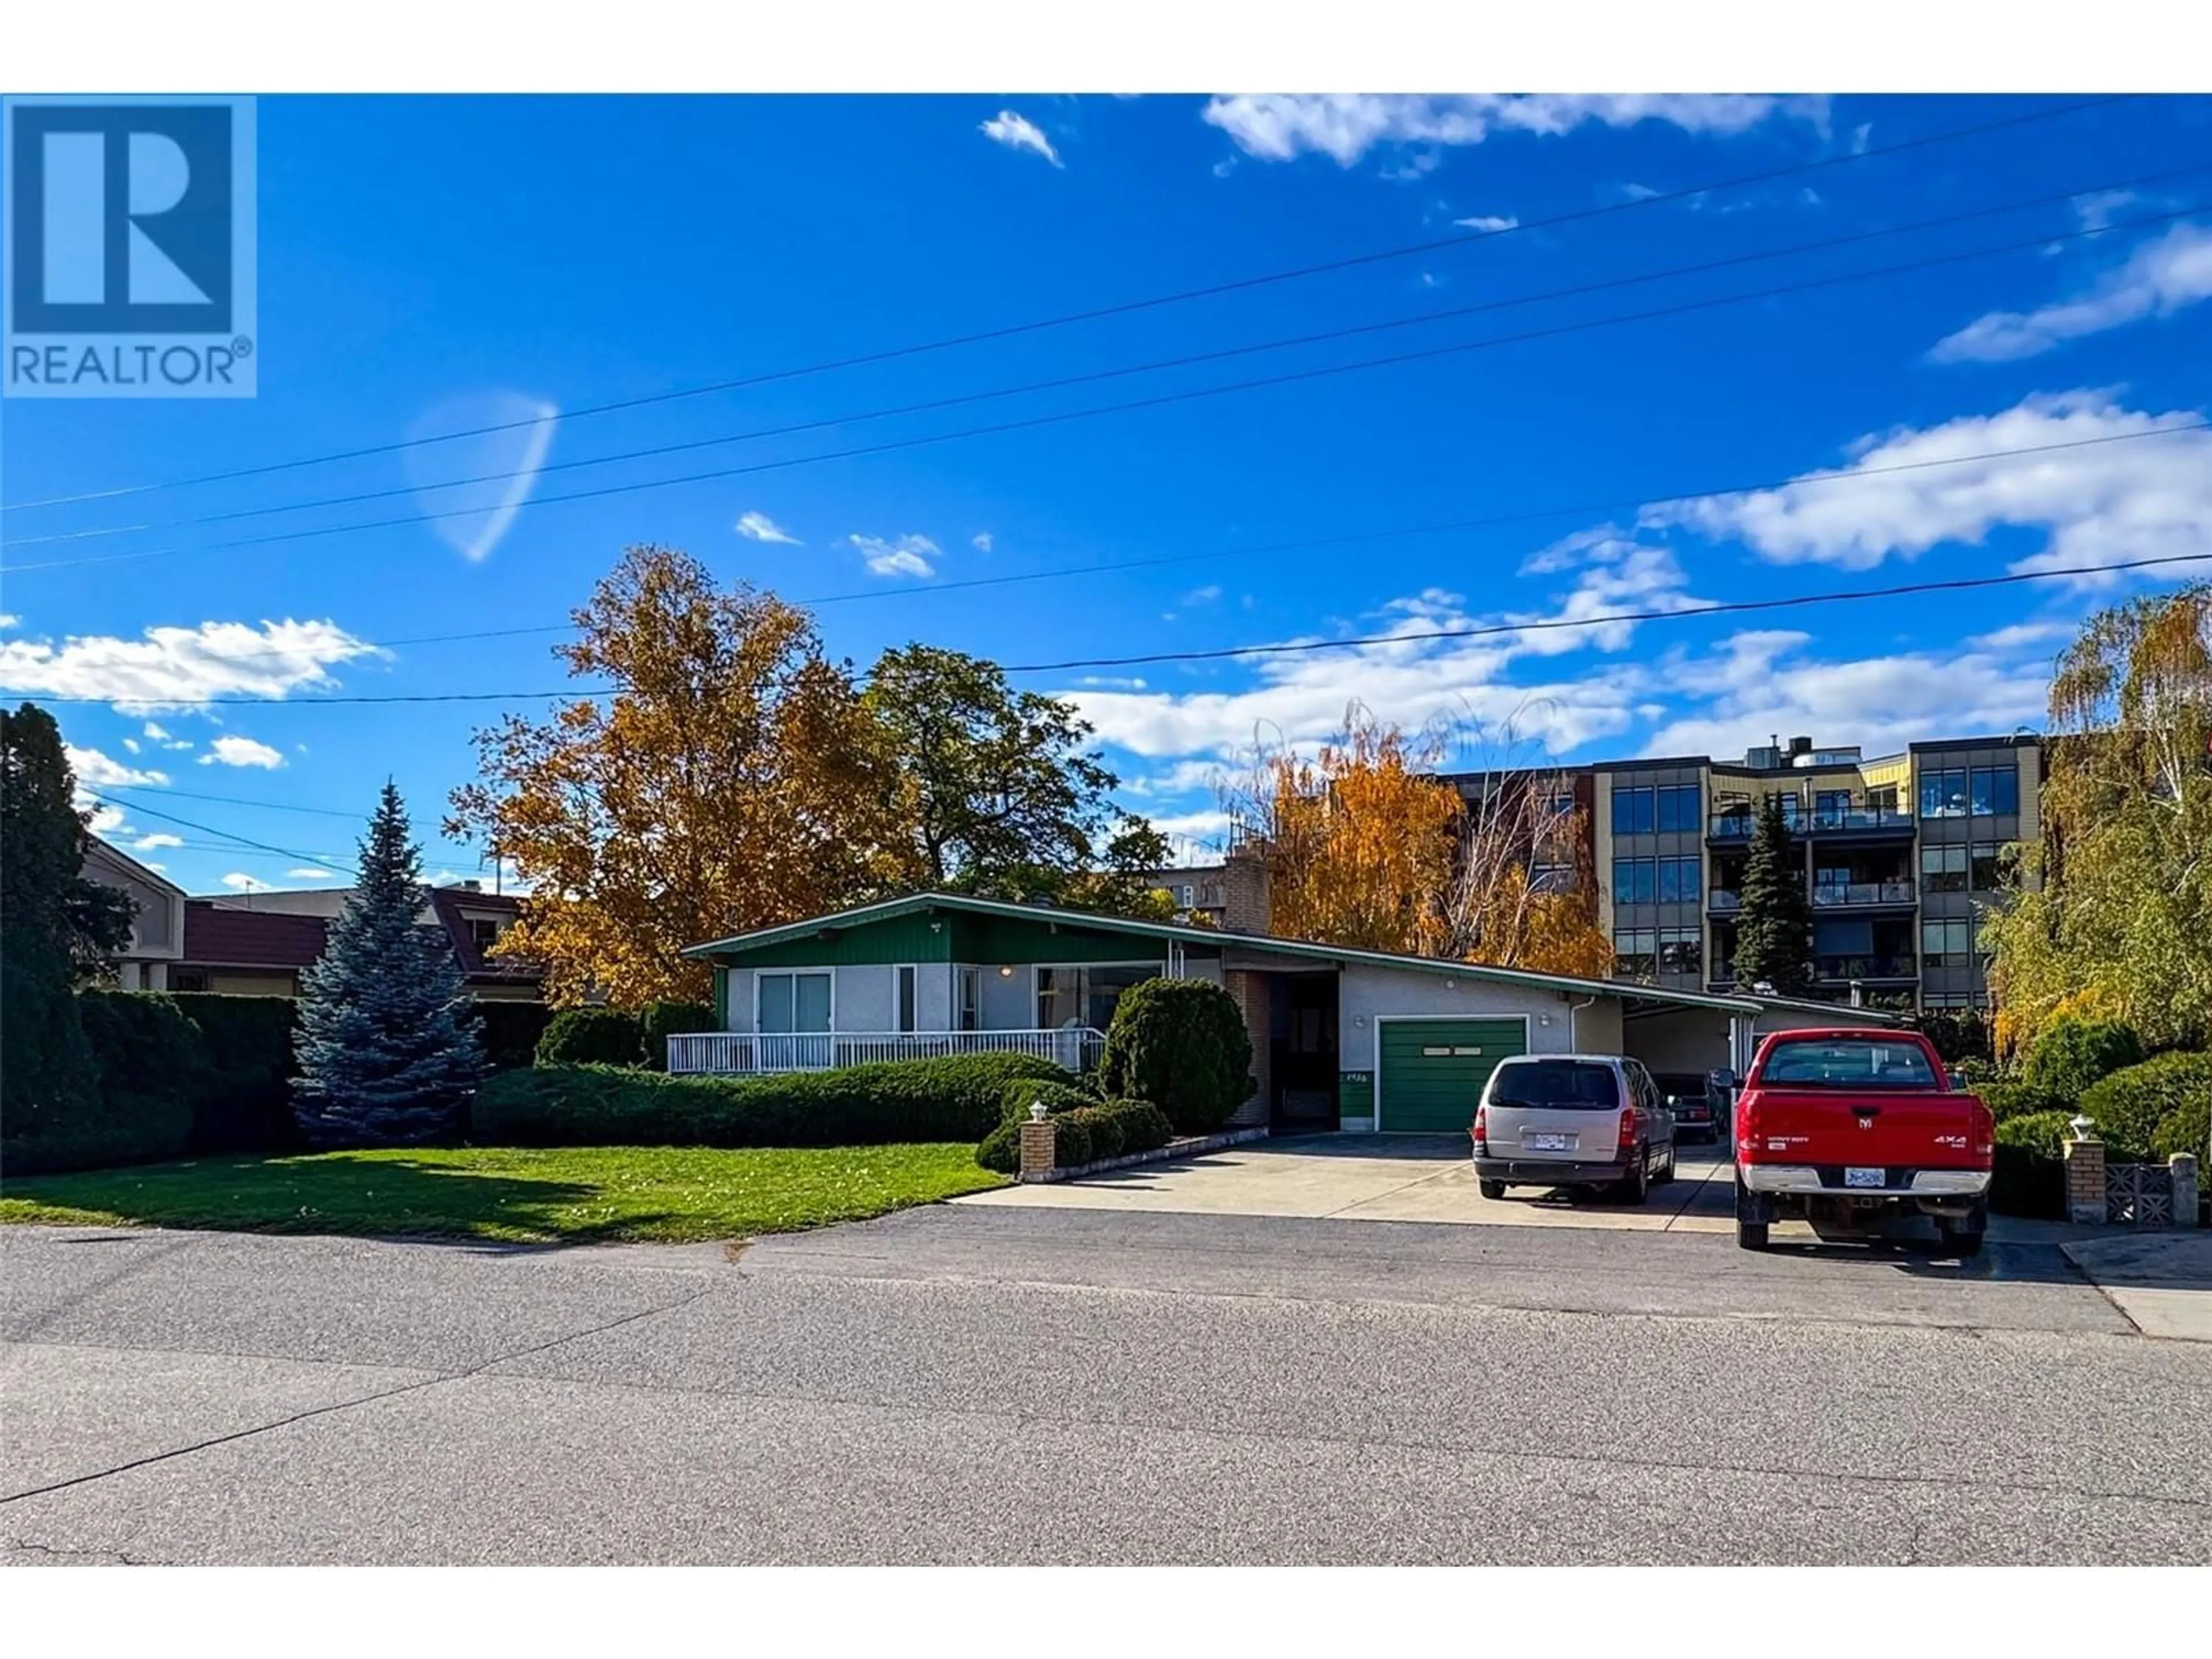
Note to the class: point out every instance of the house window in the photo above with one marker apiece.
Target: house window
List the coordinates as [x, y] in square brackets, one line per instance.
[187, 982]
[1682, 951]
[1679, 808]
[1994, 790]
[1635, 952]
[907, 978]
[1186, 895]
[1943, 794]
[1634, 812]
[968, 1000]
[1947, 944]
[1635, 881]
[1682, 881]
[1085, 995]
[795, 1002]
[1943, 869]
[483, 932]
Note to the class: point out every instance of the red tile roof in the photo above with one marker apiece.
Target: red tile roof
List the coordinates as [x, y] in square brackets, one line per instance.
[217, 936]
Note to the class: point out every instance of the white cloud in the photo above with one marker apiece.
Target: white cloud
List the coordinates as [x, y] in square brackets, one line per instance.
[94, 771]
[901, 555]
[1018, 131]
[1206, 595]
[1343, 126]
[242, 751]
[2096, 505]
[1490, 222]
[981, 541]
[180, 667]
[239, 882]
[157, 733]
[311, 872]
[511, 434]
[157, 867]
[130, 743]
[1198, 826]
[759, 527]
[9, 619]
[2100, 207]
[1115, 681]
[2162, 276]
[158, 839]
[2017, 636]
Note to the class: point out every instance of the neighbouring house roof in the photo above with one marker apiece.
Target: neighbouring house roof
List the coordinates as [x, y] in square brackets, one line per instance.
[217, 937]
[448, 903]
[97, 849]
[729, 949]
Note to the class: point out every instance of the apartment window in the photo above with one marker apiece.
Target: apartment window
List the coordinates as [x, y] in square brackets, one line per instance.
[968, 1000]
[1943, 869]
[1947, 944]
[1550, 878]
[1680, 881]
[907, 978]
[1883, 800]
[1682, 951]
[1634, 812]
[1635, 881]
[1950, 999]
[1994, 790]
[795, 1002]
[1831, 807]
[1679, 808]
[1635, 951]
[1986, 867]
[1560, 806]
[1943, 794]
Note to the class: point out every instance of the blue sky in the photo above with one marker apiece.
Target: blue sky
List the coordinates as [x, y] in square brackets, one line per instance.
[427, 264]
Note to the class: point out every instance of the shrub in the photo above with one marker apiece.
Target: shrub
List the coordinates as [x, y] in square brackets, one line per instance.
[511, 1032]
[1180, 1043]
[658, 1021]
[147, 1059]
[2070, 1054]
[957, 1097]
[2189, 1130]
[1085, 1129]
[1001, 1149]
[1058, 1095]
[2030, 1177]
[2132, 1105]
[1145, 1127]
[243, 1100]
[2009, 1097]
[1072, 1141]
[592, 1036]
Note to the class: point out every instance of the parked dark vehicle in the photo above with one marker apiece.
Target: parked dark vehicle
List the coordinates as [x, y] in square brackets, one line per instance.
[1700, 1111]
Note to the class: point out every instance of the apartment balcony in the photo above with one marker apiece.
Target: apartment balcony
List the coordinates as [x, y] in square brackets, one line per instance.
[1863, 896]
[1867, 970]
[1721, 903]
[1736, 829]
[1860, 824]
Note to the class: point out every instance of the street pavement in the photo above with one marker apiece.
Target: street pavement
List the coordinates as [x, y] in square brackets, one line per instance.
[972, 1383]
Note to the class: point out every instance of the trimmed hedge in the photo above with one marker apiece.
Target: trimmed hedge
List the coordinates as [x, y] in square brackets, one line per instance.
[2008, 1098]
[1082, 1133]
[2070, 1054]
[512, 1031]
[1057, 1094]
[146, 1060]
[1180, 1043]
[2132, 1106]
[244, 1100]
[955, 1098]
[2030, 1174]
[660, 1021]
[2188, 1130]
[592, 1036]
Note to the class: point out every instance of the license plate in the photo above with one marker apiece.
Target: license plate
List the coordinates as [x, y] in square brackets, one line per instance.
[1548, 1143]
[1865, 1177]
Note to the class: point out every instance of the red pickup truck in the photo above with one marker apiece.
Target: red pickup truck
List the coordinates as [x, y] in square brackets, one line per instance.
[1833, 1125]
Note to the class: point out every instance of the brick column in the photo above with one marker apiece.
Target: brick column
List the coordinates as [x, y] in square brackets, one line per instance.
[2182, 1166]
[2085, 1183]
[1037, 1150]
[1250, 990]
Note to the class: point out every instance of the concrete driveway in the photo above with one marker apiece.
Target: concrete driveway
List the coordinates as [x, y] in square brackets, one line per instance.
[1379, 1178]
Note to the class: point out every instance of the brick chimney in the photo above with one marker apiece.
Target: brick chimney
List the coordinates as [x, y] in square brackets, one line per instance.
[1244, 882]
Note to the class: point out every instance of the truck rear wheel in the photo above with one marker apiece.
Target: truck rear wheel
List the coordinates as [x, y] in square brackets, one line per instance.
[1751, 1235]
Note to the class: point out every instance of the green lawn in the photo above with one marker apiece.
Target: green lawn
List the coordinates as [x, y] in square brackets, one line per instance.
[566, 1194]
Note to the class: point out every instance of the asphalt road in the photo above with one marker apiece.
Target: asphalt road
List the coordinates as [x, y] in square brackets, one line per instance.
[969, 1384]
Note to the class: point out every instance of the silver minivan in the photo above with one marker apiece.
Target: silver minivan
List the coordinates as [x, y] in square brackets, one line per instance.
[1572, 1120]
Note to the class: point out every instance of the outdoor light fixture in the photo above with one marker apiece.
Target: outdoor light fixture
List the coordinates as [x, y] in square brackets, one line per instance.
[1036, 1111]
[1007, 972]
[2081, 1123]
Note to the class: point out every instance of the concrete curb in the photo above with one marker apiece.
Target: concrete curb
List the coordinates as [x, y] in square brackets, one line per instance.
[1173, 1149]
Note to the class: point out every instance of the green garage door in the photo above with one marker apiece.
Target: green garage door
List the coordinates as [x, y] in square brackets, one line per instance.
[1433, 1070]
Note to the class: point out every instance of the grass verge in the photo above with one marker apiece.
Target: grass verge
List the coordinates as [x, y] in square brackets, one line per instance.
[565, 1195]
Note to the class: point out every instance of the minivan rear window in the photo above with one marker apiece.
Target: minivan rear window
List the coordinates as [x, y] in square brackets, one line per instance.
[1849, 1063]
[1566, 1084]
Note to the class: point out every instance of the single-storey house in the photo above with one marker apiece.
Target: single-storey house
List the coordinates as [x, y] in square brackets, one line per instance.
[1359, 1040]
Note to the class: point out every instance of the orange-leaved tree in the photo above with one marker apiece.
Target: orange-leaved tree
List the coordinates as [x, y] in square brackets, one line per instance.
[732, 780]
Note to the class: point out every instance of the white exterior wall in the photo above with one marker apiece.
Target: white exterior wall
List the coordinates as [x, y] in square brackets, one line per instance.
[861, 999]
[932, 997]
[1365, 991]
[1595, 1030]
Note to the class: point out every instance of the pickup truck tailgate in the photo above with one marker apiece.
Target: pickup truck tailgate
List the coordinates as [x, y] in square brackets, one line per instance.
[1929, 1130]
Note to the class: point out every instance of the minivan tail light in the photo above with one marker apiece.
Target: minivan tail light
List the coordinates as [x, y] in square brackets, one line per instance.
[1627, 1128]
[1481, 1128]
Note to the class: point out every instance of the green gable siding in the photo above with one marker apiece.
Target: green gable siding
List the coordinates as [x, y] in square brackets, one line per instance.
[896, 938]
[995, 939]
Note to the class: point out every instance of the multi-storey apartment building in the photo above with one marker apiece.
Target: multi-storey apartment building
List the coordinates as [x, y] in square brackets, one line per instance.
[1899, 852]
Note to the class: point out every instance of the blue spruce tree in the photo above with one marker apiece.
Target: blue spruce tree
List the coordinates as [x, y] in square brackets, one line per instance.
[389, 1045]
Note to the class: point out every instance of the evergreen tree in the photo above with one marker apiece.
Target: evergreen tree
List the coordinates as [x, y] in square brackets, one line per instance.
[1774, 924]
[389, 1045]
[47, 1087]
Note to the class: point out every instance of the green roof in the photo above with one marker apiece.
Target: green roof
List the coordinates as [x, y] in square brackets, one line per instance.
[1215, 938]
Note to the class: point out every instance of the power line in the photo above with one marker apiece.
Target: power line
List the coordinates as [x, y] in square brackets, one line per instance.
[1691, 609]
[1158, 365]
[237, 800]
[208, 829]
[1316, 544]
[1159, 400]
[1101, 312]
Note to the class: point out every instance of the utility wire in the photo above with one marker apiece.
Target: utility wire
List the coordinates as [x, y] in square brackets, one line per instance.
[1159, 400]
[1419, 319]
[237, 800]
[316, 859]
[1098, 314]
[1317, 543]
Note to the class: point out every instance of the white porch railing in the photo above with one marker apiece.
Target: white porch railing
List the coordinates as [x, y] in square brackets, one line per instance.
[736, 1054]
